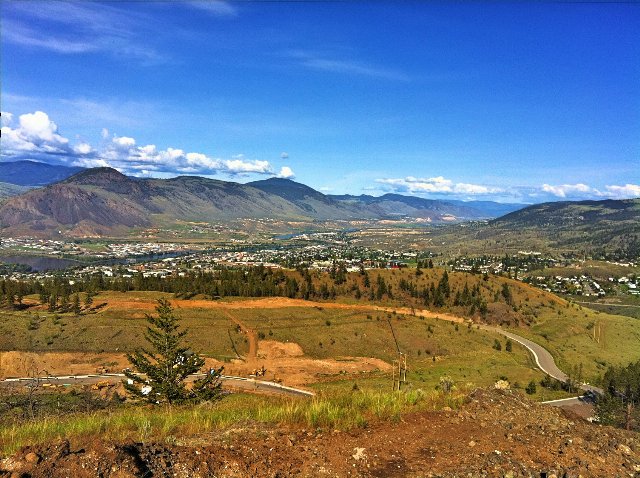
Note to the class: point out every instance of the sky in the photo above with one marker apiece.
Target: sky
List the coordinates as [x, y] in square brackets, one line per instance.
[507, 101]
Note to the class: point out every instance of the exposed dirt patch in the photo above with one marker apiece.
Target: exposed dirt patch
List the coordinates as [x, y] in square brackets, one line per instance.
[22, 364]
[283, 362]
[271, 349]
[271, 303]
[250, 333]
[286, 362]
[496, 434]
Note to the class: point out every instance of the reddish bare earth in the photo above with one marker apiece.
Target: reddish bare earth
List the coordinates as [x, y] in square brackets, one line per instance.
[497, 433]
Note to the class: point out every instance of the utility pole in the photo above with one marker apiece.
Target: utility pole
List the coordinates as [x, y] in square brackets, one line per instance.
[399, 371]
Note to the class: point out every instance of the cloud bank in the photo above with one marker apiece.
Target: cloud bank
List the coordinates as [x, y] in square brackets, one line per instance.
[440, 186]
[436, 185]
[36, 136]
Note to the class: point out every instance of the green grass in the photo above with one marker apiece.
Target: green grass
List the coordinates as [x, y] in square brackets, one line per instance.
[339, 411]
[433, 347]
[568, 335]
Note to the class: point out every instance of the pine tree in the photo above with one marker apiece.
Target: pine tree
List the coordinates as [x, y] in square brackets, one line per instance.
[159, 375]
[75, 307]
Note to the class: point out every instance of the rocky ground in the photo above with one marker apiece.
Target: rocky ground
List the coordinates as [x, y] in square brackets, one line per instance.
[495, 434]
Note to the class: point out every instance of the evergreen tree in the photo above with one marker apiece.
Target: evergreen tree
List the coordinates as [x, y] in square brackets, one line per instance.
[508, 346]
[159, 374]
[531, 388]
[75, 306]
[619, 404]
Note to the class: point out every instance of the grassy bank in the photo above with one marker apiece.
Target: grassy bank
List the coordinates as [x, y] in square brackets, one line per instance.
[177, 424]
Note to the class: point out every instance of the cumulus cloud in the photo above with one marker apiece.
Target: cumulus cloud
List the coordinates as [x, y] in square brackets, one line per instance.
[624, 192]
[6, 118]
[286, 172]
[436, 185]
[584, 191]
[564, 190]
[35, 133]
[83, 148]
[37, 137]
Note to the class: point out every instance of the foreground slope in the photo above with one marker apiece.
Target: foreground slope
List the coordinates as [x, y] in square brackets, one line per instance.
[494, 433]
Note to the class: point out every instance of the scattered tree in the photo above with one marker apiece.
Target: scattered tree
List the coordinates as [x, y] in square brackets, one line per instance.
[159, 374]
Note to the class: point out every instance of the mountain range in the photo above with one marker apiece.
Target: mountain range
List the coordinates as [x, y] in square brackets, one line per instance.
[102, 201]
[34, 173]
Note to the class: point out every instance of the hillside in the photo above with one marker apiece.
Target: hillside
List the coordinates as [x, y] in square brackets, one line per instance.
[494, 433]
[8, 190]
[601, 229]
[397, 204]
[592, 225]
[33, 173]
[102, 201]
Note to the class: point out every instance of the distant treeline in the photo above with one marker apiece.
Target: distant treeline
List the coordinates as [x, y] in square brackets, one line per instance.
[470, 295]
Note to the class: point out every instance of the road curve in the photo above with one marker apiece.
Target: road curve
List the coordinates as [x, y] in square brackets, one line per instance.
[544, 359]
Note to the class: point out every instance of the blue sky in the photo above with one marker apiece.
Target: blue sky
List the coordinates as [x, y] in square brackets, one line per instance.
[507, 101]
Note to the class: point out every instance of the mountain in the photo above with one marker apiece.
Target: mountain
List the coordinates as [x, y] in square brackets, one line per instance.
[397, 204]
[102, 201]
[609, 225]
[32, 173]
[491, 209]
[8, 190]
[314, 203]
[571, 214]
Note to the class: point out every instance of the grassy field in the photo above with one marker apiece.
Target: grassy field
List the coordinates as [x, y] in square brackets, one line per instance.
[569, 336]
[344, 410]
[434, 347]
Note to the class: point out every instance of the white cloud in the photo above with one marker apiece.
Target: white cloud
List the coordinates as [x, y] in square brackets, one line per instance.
[36, 137]
[235, 166]
[584, 191]
[565, 190]
[34, 133]
[436, 185]
[286, 172]
[83, 148]
[627, 191]
[90, 163]
[6, 118]
[124, 142]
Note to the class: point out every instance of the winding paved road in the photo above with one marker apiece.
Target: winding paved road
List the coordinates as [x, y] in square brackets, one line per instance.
[544, 359]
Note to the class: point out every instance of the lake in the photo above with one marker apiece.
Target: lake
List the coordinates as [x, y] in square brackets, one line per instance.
[40, 263]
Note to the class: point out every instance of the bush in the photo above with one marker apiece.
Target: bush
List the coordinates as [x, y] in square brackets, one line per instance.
[531, 388]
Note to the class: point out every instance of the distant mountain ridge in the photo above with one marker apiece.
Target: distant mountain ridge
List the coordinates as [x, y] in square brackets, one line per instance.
[8, 190]
[611, 224]
[33, 173]
[391, 204]
[103, 201]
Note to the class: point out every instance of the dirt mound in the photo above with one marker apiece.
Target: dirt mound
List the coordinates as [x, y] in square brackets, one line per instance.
[497, 433]
[270, 349]
[286, 361]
